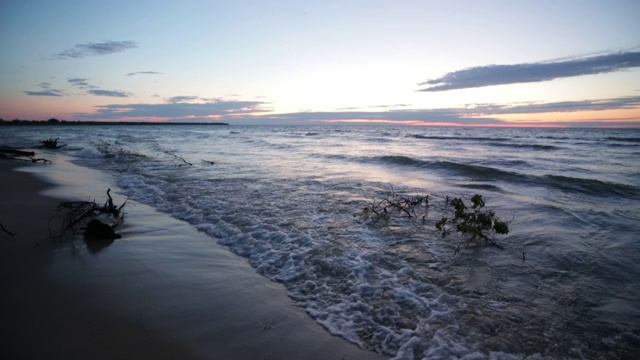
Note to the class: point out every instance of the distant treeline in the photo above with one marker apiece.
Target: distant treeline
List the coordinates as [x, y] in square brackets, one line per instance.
[64, 122]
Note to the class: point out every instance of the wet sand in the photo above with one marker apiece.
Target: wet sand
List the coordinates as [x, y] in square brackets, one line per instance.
[163, 291]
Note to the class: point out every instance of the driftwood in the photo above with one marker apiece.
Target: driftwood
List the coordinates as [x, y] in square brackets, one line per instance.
[20, 155]
[51, 143]
[15, 152]
[42, 160]
[97, 222]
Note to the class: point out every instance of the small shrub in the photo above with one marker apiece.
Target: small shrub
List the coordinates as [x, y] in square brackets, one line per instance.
[473, 221]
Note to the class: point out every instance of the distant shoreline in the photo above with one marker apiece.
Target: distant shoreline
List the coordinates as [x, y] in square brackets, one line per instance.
[55, 122]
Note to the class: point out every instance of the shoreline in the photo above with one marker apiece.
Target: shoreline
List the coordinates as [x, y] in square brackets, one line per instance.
[164, 291]
[40, 318]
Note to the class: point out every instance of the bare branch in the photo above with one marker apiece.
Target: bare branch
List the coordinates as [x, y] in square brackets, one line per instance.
[7, 231]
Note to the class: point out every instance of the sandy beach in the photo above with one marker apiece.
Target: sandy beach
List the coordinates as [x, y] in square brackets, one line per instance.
[163, 291]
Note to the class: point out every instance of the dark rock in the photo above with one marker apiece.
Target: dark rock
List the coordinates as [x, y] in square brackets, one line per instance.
[97, 230]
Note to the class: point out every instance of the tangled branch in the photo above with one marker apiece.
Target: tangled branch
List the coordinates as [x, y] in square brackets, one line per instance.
[88, 216]
[381, 209]
[178, 158]
[470, 218]
[51, 143]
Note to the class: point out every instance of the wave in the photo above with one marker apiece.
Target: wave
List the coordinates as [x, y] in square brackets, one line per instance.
[508, 163]
[379, 140]
[526, 146]
[485, 187]
[591, 186]
[625, 139]
[554, 137]
[400, 160]
[430, 137]
[622, 145]
[476, 172]
[471, 172]
[339, 157]
[374, 286]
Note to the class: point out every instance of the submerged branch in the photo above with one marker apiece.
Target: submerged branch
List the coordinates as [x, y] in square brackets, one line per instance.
[468, 217]
[179, 158]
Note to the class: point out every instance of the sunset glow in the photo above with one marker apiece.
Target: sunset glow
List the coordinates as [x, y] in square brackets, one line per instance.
[463, 63]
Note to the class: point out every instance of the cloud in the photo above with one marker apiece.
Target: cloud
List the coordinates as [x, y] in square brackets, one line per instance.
[391, 106]
[183, 99]
[174, 109]
[143, 73]
[423, 116]
[620, 103]
[533, 72]
[470, 115]
[80, 83]
[94, 49]
[197, 100]
[195, 108]
[76, 80]
[84, 84]
[46, 91]
[112, 93]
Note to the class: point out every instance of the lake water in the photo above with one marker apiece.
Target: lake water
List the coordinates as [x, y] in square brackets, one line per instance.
[290, 200]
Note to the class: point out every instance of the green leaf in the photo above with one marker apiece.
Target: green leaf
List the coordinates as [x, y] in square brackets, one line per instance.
[477, 201]
[501, 227]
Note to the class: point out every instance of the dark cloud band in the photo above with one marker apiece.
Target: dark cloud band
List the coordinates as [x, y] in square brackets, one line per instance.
[111, 93]
[144, 73]
[252, 112]
[533, 72]
[621, 103]
[45, 93]
[95, 49]
[176, 107]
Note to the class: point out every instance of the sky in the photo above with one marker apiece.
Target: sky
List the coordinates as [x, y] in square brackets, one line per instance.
[555, 63]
